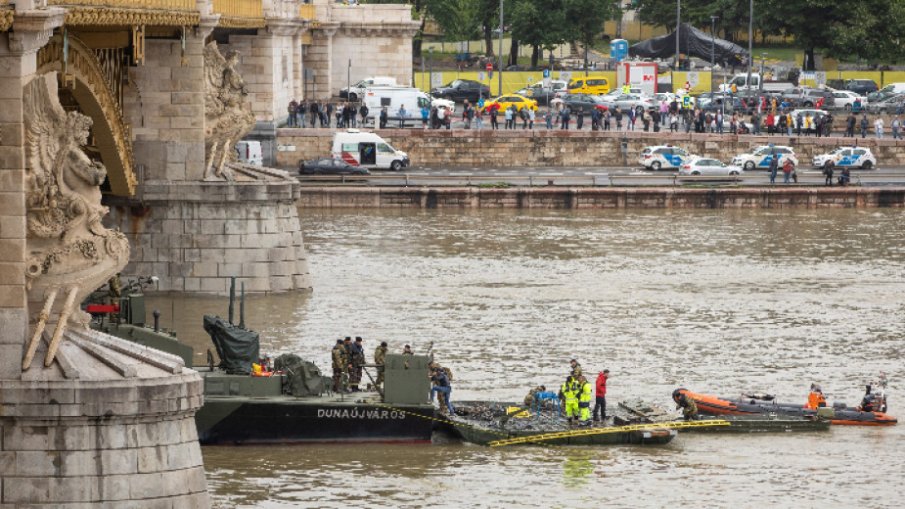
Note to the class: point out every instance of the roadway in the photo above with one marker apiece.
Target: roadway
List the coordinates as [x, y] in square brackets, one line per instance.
[589, 176]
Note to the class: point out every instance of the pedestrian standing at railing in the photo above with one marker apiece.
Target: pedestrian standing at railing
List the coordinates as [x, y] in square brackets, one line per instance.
[896, 125]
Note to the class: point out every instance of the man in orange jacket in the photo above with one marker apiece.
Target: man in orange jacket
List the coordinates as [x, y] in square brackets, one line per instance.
[816, 398]
[600, 395]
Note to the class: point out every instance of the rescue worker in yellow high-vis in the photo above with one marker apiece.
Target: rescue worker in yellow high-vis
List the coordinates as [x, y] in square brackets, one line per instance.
[568, 393]
[584, 401]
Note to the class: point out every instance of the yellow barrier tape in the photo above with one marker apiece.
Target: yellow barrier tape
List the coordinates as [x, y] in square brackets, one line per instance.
[603, 431]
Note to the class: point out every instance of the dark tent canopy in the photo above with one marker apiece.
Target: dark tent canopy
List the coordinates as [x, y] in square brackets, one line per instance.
[692, 42]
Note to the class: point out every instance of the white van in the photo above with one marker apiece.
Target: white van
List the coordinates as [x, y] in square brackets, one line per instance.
[394, 98]
[249, 152]
[354, 92]
[367, 150]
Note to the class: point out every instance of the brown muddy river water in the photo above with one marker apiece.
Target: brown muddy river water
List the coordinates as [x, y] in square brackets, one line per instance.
[723, 302]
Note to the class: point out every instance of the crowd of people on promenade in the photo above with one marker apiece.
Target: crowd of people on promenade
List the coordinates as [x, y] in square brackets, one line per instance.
[773, 117]
[325, 114]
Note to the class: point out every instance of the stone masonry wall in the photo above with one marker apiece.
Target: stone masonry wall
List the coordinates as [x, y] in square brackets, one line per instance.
[539, 148]
[194, 236]
[165, 107]
[268, 66]
[600, 198]
[15, 71]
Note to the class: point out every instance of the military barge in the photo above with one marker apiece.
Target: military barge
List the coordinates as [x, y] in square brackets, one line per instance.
[292, 404]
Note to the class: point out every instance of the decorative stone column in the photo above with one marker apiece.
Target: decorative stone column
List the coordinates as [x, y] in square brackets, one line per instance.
[87, 420]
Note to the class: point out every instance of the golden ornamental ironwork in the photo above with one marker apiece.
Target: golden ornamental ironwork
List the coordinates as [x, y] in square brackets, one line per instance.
[89, 16]
[113, 135]
[240, 13]
[166, 5]
[307, 12]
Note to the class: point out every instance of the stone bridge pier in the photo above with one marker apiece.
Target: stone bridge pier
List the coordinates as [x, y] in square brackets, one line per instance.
[86, 420]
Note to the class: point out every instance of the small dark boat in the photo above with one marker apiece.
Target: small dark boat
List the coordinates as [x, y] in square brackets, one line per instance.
[763, 404]
[643, 412]
[501, 423]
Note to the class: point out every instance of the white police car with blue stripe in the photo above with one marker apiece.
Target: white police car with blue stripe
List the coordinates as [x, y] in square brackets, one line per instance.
[662, 156]
[761, 156]
[847, 157]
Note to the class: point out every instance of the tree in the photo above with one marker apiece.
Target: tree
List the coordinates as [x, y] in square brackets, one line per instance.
[586, 19]
[538, 23]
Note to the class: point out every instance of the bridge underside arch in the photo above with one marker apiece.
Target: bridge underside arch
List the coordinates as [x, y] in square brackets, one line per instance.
[95, 88]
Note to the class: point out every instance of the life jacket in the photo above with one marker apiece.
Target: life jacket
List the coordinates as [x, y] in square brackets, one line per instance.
[258, 370]
[813, 399]
[568, 392]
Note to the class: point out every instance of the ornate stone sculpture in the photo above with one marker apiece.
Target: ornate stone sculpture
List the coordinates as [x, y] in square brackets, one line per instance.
[228, 116]
[69, 251]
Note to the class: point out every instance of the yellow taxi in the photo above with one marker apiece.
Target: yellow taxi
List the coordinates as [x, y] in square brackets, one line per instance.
[590, 86]
[505, 101]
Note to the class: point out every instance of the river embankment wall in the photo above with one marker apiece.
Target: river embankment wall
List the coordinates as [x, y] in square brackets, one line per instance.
[484, 148]
[554, 197]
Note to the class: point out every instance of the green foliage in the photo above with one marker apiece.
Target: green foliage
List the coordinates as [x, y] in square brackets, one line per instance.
[538, 22]
[585, 18]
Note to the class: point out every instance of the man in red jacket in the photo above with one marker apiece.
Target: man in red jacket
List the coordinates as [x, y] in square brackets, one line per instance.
[600, 395]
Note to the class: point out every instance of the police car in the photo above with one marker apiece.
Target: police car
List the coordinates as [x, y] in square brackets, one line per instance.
[663, 156]
[761, 156]
[847, 157]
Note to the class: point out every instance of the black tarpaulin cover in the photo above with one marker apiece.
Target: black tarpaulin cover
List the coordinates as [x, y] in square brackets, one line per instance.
[238, 348]
[692, 42]
[303, 378]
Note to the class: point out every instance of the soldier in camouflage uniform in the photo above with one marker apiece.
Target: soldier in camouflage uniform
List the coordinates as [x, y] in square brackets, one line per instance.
[358, 361]
[340, 361]
[380, 356]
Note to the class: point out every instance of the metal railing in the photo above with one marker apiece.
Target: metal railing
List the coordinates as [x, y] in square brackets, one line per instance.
[240, 13]
[810, 179]
[307, 12]
[179, 5]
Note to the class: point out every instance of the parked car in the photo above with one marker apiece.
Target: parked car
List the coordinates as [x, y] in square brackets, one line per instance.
[761, 156]
[889, 104]
[815, 114]
[626, 102]
[847, 157]
[330, 166]
[845, 99]
[806, 97]
[585, 103]
[543, 95]
[505, 101]
[861, 87]
[663, 156]
[708, 166]
[460, 90]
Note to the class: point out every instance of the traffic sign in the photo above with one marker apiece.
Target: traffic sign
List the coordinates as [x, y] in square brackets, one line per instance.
[488, 66]
[546, 73]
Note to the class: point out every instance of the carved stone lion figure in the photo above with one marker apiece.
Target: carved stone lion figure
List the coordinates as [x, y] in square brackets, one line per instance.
[228, 115]
[69, 250]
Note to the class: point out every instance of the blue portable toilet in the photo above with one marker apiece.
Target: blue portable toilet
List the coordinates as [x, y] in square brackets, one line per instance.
[619, 49]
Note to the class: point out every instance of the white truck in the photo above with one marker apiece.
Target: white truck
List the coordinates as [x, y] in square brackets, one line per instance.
[739, 82]
[356, 91]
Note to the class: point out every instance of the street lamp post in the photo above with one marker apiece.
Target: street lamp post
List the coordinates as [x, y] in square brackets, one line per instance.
[713, 41]
[430, 66]
[500, 71]
[750, 41]
[678, 26]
